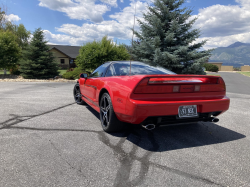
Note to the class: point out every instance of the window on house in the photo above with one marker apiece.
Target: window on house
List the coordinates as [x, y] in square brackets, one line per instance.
[62, 61]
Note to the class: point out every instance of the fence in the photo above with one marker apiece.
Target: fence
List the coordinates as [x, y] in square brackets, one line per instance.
[245, 68]
[227, 68]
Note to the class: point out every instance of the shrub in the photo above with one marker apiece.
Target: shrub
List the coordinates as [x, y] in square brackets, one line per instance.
[237, 69]
[70, 69]
[72, 75]
[211, 67]
[15, 71]
[94, 54]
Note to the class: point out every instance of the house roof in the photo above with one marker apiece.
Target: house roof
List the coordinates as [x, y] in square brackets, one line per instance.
[70, 51]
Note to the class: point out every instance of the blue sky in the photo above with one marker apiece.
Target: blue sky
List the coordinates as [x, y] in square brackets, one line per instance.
[73, 22]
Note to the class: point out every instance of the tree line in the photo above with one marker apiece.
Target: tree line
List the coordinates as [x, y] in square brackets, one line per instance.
[23, 53]
[165, 38]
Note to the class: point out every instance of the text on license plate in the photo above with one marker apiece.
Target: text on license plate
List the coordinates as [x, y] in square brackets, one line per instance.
[188, 111]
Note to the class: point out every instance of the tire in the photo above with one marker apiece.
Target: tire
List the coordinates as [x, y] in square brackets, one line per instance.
[77, 95]
[109, 121]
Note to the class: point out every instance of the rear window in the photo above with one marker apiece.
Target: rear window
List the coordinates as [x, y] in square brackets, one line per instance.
[137, 68]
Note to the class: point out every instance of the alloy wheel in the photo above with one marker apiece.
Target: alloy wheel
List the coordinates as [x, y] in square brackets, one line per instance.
[77, 94]
[105, 111]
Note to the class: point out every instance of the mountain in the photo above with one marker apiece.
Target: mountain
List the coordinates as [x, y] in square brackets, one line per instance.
[237, 54]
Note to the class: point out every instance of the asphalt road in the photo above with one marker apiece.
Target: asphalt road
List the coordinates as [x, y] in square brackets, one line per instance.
[47, 140]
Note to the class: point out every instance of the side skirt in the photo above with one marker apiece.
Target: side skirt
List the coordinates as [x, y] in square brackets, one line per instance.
[91, 104]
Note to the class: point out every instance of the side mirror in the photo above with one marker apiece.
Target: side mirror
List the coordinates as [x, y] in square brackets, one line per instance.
[83, 75]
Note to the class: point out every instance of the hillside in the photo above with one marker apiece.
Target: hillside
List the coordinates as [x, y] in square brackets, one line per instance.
[237, 54]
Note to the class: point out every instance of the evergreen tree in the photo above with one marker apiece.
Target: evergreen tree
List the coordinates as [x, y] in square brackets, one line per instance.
[166, 38]
[38, 62]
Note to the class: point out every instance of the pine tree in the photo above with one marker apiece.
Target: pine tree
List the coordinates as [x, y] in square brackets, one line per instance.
[166, 38]
[38, 62]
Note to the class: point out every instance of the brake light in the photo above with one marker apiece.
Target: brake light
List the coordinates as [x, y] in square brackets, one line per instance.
[180, 85]
[141, 86]
[175, 80]
[222, 83]
[182, 80]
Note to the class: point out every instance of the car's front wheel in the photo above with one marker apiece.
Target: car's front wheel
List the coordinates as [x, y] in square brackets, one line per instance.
[77, 95]
[108, 118]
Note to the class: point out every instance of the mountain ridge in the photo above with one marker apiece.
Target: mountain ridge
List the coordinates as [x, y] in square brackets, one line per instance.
[236, 54]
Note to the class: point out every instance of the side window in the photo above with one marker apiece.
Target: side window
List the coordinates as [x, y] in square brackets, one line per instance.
[111, 71]
[100, 70]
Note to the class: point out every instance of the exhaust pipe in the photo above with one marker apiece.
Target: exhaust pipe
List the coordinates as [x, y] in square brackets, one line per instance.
[149, 127]
[214, 120]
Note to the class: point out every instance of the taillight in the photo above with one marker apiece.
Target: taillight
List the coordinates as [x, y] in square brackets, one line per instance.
[180, 85]
[175, 80]
[222, 83]
[183, 80]
[141, 86]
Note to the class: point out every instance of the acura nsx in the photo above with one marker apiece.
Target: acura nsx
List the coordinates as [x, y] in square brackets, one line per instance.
[139, 93]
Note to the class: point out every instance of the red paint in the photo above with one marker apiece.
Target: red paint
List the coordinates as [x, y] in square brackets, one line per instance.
[137, 97]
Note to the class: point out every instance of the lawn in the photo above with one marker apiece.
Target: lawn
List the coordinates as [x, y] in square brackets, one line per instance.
[62, 72]
[247, 73]
[214, 75]
[2, 72]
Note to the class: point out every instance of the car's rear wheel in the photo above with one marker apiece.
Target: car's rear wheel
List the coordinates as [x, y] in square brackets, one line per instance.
[78, 95]
[108, 118]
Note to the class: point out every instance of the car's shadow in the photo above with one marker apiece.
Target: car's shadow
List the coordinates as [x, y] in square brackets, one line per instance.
[168, 138]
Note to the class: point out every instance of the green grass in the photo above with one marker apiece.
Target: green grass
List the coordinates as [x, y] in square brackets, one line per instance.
[247, 73]
[214, 75]
[2, 72]
[62, 72]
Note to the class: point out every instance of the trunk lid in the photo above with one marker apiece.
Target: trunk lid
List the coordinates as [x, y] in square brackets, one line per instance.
[179, 88]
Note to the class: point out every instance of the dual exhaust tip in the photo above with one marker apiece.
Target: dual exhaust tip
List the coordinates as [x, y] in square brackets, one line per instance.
[151, 127]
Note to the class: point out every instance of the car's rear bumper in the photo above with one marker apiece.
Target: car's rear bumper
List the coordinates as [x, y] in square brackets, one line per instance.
[138, 111]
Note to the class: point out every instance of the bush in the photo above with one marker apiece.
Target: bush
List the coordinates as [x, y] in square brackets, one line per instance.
[237, 69]
[94, 54]
[70, 69]
[72, 75]
[211, 67]
[15, 71]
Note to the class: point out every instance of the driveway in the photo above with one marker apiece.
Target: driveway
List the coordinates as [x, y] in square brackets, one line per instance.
[236, 83]
[47, 140]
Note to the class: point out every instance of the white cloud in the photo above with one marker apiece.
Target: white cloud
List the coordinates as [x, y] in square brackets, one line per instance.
[12, 17]
[224, 41]
[224, 25]
[80, 9]
[119, 27]
[221, 25]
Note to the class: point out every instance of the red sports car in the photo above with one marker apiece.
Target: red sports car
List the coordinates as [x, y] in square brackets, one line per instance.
[150, 95]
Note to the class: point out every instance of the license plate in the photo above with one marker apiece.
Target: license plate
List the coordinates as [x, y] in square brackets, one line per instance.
[188, 111]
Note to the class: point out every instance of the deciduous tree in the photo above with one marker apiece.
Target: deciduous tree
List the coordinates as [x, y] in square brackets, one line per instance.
[93, 54]
[9, 50]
